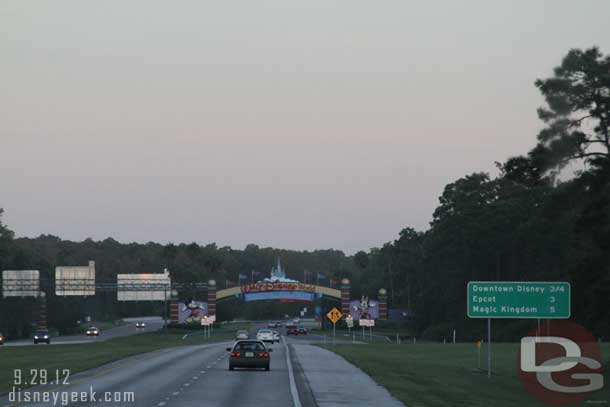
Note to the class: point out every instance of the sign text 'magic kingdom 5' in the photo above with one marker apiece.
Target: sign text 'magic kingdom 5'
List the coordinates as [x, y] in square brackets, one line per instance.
[518, 299]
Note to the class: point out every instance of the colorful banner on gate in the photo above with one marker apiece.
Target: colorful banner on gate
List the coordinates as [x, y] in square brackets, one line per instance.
[279, 295]
[278, 286]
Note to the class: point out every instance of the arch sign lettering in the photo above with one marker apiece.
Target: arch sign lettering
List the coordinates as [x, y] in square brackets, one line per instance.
[290, 291]
[278, 291]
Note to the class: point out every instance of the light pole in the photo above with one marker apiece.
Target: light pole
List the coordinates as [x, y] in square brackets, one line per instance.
[166, 271]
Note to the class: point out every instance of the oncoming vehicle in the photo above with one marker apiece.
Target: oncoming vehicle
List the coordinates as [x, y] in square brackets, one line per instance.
[42, 335]
[1, 339]
[276, 336]
[265, 335]
[93, 331]
[252, 354]
[241, 334]
[272, 324]
[140, 324]
[302, 330]
[292, 330]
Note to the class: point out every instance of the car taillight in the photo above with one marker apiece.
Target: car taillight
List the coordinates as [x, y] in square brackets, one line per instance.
[235, 354]
[263, 355]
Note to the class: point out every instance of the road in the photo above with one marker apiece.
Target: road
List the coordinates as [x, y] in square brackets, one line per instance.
[198, 376]
[129, 328]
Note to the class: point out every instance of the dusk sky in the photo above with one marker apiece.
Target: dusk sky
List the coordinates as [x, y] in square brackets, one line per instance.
[301, 125]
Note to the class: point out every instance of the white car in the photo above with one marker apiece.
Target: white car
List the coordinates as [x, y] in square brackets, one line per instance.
[93, 331]
[242, 334]
[140, 324]
[265, 335]
[276, 336]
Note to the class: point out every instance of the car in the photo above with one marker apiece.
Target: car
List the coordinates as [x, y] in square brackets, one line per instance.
[276, 336]
[249, 353]
[140, 324]
[93, 331]
[1, 339]
[42, 335]
[273, 324]
[241, 334]
[265, 335]
[292, 330]
[302, 330]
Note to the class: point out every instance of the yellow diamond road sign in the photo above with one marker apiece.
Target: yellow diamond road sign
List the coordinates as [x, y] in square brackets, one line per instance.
[334, 315]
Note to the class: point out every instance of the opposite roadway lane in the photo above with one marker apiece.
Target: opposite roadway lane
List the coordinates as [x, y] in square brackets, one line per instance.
[129, 328]
[199, 376]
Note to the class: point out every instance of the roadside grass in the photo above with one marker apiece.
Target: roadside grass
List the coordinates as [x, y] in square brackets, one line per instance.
[379, 335]
[426, 375]
[80, 357]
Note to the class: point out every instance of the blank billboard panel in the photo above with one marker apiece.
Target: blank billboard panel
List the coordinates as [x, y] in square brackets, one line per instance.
[20, 283]
[79, 281]
[143, 287]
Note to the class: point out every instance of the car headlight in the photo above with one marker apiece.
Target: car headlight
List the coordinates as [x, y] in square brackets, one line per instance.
[46, 337]
[35, 337]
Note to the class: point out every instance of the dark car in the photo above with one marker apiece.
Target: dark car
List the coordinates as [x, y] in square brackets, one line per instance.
[1, 339]
[292, 330]
[302, 331]
[251, 354]
[42, 335]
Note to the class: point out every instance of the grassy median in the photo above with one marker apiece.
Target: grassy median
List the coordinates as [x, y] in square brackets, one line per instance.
[79, 357]
[427, 375]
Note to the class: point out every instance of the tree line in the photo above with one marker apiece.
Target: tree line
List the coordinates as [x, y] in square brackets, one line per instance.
[536, 220]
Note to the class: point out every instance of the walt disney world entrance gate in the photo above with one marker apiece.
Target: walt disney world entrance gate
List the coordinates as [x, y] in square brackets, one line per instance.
[280, 288]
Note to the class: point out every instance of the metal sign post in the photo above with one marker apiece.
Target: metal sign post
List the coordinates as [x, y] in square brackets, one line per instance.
[334, 315]
[350, 323]
[488, 347]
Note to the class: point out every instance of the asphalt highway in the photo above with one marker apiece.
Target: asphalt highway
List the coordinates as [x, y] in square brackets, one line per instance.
[129, 328]
[198, 376]
[186, 376]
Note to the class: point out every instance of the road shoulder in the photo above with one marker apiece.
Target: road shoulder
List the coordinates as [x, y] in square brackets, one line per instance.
[303, 386]
[335, 382]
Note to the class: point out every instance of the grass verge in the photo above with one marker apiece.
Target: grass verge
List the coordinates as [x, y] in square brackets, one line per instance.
[80, 357]
[426, 375]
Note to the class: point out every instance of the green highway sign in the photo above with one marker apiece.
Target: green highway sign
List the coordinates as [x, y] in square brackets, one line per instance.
[518, 299]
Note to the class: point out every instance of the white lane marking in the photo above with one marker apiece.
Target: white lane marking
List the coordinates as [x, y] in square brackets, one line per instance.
[195, 377]
[293, 384]
[161, 404]
[186, 384]
[175, 393]
[202, 371]
[208, 367]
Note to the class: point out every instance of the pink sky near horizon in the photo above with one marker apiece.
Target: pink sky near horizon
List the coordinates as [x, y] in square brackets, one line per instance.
[321, 124]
